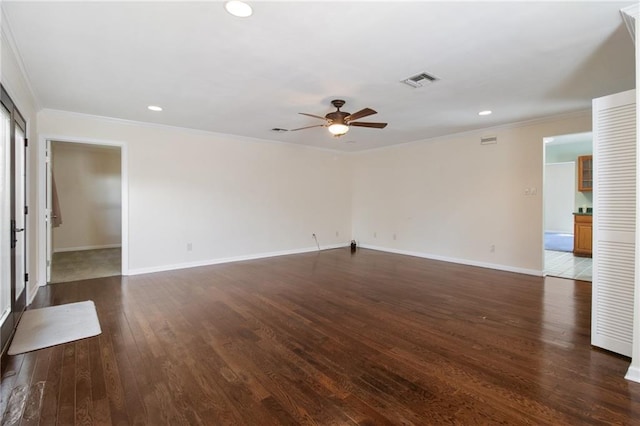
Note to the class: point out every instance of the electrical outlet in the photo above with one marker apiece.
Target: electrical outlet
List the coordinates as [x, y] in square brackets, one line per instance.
[375, 235]
[337, 234]
[189, 246]
[394, 236]
[492, 248]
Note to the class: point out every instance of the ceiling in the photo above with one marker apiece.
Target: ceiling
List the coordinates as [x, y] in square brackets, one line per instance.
[586, 137]
[244, 76]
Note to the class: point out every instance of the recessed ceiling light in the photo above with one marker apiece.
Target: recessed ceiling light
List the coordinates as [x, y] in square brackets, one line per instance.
[485, 112]
[238, 8]
[154, 108]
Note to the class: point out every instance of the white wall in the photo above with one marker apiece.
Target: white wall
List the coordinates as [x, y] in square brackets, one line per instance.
[559, 153]
[229, 197]
[89, 190]
[559, 191]
[451, 198]
[16, 85]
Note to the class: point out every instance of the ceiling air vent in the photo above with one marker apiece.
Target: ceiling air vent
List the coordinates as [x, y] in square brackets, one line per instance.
[488, 140]
[420, 80]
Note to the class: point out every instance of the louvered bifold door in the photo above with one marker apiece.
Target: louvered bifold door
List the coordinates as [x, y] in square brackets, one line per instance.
[614, 221]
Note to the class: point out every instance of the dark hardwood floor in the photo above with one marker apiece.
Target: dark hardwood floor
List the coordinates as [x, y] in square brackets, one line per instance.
[327, 338]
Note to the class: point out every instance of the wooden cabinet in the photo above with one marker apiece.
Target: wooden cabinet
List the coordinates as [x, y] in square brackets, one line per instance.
[582, 235]
[585, 173]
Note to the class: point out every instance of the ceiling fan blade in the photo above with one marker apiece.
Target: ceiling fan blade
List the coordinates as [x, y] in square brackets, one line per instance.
[360, 114]
[308, 127]
[311, 115]
[365, 124]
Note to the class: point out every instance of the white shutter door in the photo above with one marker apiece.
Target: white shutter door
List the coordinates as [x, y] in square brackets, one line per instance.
[614, 224]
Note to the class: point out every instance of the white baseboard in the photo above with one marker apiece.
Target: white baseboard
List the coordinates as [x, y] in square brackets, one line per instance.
[82, 248]
[185, 265]
[498, 267]
[31, 292]
[633, 374]
[152, 269]
[559, 232]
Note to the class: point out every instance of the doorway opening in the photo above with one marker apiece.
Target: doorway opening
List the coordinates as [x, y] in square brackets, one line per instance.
[568, 207]
[84, 210]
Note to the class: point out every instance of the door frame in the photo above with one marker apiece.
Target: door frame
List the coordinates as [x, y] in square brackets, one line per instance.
[18, 301]
[42, 198]
[544, 179]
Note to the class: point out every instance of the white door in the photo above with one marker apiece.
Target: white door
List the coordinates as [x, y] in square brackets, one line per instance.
[19, 206]
[614, 224]
[49, 209]
[12, 216]
[5, 215]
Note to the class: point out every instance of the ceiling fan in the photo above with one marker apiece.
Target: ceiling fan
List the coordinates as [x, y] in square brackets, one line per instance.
[338, 122]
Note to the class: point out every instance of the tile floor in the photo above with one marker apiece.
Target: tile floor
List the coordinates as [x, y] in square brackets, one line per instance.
[566, 265]
[85, 264]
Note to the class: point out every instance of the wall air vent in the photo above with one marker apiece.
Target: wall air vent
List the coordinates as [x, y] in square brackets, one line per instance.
[488, 140]
[420, 80]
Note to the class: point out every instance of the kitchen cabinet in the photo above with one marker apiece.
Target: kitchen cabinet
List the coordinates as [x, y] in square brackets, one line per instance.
[585, 173]
[582, 234]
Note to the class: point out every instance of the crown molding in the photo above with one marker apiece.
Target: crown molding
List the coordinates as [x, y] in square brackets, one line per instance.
[127, 122]
[7, 35]
[488, 130]
[630, 15]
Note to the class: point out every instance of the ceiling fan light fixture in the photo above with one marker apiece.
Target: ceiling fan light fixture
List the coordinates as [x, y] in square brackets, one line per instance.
[238, 8]
[338, 129]
[338, 122]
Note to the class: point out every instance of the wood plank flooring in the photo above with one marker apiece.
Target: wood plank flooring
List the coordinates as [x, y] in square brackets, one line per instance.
[326, 338]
